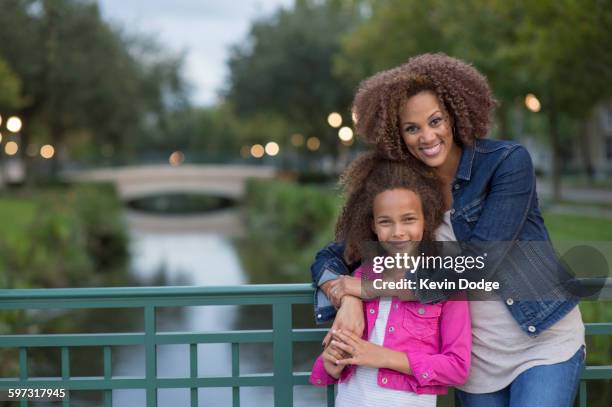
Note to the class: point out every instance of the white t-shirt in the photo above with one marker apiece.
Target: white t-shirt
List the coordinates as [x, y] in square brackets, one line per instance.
[362, 389]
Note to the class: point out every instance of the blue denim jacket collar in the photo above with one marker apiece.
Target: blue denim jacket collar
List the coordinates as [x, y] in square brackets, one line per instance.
[464, 171]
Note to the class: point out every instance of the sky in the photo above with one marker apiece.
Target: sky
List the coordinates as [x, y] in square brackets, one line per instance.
[204, 29]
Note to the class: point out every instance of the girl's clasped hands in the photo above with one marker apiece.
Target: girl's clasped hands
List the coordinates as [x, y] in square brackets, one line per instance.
[346, 348]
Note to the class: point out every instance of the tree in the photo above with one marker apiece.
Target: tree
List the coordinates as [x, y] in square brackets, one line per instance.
[285, 67]
[558, 50]
[563, 49]
[10, 88]
[471, 30]
[83, 78]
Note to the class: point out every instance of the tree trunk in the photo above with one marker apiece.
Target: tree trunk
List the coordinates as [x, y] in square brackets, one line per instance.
[57, 137]
[585, 149]
[28, 162]
[553, 132]
[504, 126]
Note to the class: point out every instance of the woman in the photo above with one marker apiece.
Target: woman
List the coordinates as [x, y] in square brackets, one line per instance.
[435, 111]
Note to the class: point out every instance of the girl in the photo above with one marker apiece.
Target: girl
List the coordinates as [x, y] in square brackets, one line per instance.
[435, 111]
[409, 352]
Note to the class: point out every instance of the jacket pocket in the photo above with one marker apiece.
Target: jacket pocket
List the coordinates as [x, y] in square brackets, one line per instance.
[421, 320]
[471, 212]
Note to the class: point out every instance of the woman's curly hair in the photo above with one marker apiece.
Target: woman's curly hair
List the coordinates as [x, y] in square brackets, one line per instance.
[463, 92]
[369, 175]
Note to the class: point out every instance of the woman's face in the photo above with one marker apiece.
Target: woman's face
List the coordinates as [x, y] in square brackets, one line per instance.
[426, 129]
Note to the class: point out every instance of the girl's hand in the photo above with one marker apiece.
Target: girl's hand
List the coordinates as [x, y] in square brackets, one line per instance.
[348, 319]
[330, 356]
[360, 352]
[364, 353]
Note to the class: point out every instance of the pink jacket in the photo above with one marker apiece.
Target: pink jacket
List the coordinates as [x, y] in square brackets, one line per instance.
[437, 339]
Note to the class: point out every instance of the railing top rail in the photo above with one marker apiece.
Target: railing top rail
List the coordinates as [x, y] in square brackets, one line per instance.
[158, 292]
[252, 290]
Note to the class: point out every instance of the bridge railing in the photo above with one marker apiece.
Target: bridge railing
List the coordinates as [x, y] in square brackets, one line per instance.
[282, 336]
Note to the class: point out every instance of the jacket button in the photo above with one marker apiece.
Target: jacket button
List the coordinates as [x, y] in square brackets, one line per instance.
[421, 311]
[452, 211]
[318, 381]
[395, 306]
[531, 328]
[509, 301]
[425, 375]
[372, 310]
[391, 329]
[456, 186]
[319, 316]
[384, 380]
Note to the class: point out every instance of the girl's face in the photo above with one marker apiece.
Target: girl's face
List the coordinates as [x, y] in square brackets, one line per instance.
[426, 129]
[398, 219]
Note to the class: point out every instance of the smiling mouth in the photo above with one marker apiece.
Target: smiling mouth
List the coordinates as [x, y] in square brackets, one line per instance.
[400, 244]
[431, 151]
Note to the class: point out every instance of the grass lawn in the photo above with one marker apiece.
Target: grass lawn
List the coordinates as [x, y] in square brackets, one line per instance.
[15, 215]
[582, 228]
[572, 227]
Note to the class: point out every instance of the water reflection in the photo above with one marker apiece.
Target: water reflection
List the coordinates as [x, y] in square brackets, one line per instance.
[180, 203]
[204, 259]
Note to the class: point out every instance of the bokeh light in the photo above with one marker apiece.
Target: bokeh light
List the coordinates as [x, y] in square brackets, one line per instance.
[345, 133]
[32, 150]
[272, 148]
[257, 151]
[47, 151]
[11, 148]
[176, 158]
[334, 119]
[297, 140]
[313, 143]
[532, 103]
[13, 124]
[245, 151]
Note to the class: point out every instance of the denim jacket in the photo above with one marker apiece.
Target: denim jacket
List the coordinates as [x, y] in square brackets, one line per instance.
[494, 200]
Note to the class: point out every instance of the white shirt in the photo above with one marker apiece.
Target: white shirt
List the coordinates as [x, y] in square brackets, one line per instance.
[362, 389]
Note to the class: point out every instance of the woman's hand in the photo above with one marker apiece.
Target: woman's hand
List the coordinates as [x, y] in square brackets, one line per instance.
[349, 318]
[330, 356]
[340, 287]
[364, 353]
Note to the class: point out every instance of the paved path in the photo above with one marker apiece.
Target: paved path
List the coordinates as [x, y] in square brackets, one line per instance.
[577, 194]
[584, 194]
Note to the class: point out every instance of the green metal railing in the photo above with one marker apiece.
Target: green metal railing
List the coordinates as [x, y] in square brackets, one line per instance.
[282, 336]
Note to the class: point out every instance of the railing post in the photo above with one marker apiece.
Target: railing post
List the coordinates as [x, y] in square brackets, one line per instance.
[283, 355]
[150, 356]
[65, 365]
[23, 370]
[235, 373]
[108, 370]
[193, 372]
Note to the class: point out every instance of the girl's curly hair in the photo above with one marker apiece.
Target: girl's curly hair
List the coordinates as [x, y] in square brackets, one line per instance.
[462, 91]
[369, 175]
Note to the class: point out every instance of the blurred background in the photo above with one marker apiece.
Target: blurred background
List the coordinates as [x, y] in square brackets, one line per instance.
[192, 142]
